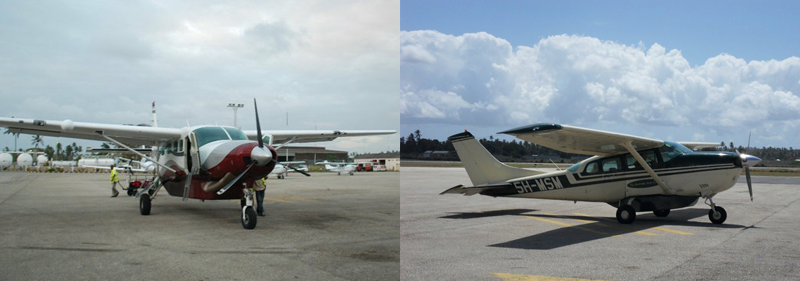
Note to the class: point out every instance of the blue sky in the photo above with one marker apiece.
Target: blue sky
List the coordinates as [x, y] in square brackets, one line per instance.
[752, 30]
[686, 70]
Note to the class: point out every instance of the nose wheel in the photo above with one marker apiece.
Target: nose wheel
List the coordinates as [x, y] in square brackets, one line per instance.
[249, 217]
[717, 214]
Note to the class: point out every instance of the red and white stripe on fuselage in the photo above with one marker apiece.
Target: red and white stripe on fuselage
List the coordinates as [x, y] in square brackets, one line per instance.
[218, 159]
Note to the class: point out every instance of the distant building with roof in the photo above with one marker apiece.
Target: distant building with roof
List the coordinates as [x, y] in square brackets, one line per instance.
[390, 160]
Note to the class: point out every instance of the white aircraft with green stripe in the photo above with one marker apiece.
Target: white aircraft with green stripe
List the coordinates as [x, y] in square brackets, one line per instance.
[633, 174]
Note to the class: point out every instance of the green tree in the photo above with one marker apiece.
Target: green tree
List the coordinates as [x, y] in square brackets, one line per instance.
[36, 141]
[16, 136]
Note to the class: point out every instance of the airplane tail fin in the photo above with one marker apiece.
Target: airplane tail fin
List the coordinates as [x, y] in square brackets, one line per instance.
[481, 166]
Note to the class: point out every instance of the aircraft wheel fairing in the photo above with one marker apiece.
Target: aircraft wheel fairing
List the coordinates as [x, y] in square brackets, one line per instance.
[144, 204]
[626, 214]
[248, 217]
[661, 213]
[719, 216]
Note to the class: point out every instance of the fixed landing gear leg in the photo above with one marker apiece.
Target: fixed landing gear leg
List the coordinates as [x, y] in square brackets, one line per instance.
[717, 214]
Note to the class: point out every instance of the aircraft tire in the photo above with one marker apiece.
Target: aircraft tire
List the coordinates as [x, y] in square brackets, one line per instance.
[626, 214]
[661, 213]
[351, 173]
[144, 204]
[249, 218]
[338, 173]
[720, 217]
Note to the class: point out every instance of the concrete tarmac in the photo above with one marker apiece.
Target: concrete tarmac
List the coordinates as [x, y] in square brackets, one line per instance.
[324, 227]
[455, 237]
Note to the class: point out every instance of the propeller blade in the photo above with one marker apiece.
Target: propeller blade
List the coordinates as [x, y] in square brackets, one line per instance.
[749, 183]
[258, 126]
[298, 170]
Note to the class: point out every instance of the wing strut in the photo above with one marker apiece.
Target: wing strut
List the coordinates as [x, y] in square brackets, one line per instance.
[647, 167]
[135, 152]
[285, 143]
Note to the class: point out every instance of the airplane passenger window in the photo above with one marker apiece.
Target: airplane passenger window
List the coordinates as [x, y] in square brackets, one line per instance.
[611, 165]
[649, 156]
[592, 168]
[180, 146]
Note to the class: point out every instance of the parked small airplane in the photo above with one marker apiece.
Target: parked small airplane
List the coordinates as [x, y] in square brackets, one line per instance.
[199, 162]
[339, 167]
[282, 169]
[632, 174]
[124, 164]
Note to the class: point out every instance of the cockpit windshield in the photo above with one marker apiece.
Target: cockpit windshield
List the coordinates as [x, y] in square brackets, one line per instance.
[206, 135]
[672, 149]
[236, 134]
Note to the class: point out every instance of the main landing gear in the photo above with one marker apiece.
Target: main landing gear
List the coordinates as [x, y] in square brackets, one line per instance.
[146, 194]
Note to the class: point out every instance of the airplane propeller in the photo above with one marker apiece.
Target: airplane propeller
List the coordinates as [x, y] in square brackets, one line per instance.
[748, 161]
[260, 156]
[297, 170]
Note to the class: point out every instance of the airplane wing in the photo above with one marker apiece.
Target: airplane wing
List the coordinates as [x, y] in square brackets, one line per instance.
[121, 169]
[298, 136]
[580, 140]
[695, 145]
[133, 135]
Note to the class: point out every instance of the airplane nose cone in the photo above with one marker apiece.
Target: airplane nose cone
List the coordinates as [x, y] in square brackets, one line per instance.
[261, 156]
[750, 160]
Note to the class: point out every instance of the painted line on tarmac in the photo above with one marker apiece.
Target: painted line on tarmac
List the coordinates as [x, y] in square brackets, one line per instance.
[656, 227]
[672, 231]
[571, 225]
[524, 277]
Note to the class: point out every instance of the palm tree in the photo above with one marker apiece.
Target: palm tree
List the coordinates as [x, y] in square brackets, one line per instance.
[16, 136]
[58, 150]
[36, 141]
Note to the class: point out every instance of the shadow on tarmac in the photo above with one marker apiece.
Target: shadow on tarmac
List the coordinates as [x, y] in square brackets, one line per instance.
[599, 228]
[496, 213]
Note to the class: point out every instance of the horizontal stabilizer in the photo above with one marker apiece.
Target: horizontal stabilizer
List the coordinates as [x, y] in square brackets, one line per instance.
[469, 191]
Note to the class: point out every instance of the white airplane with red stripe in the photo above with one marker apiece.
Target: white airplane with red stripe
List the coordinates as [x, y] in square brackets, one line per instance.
[198, 162]
[630, 173]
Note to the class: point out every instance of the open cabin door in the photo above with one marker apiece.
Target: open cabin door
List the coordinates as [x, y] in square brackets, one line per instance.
[192, 162]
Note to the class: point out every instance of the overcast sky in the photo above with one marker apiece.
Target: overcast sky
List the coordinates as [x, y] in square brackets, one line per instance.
[329, 64]
[679, 70]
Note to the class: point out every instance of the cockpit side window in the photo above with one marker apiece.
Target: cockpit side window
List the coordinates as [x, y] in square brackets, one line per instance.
[611, 165]
[206, 135]
[669, 151]
[649, 156]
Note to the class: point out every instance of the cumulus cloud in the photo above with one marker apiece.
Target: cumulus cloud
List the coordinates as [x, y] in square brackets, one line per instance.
[584, 80]
[106, 62]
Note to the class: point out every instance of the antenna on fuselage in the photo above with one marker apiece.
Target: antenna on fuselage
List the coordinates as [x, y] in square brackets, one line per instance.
[554, 164]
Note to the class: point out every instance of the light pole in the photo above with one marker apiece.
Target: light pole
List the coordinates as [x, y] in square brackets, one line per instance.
[235, 107]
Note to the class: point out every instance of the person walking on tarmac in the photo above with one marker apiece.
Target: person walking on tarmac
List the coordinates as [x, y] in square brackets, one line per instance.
[114, 182]
[260, 185]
